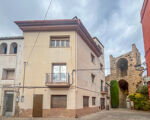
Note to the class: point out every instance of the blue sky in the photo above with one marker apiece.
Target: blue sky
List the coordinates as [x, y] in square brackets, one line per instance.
[115, 22]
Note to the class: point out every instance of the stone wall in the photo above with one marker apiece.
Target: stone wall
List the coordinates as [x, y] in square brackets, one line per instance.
[60, 112]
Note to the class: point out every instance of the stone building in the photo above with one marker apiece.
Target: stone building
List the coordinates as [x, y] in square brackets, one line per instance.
[123, 70]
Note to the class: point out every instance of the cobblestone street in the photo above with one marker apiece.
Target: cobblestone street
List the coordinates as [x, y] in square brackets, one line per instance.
[115, 114]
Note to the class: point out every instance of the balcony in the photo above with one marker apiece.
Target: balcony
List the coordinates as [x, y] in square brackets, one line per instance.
[104, 89]
[57, 80]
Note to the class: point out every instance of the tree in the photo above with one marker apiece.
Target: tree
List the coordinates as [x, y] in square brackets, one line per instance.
[143, 90]
[114, 90]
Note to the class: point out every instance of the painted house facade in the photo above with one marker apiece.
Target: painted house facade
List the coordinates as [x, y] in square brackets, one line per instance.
[63, 70]
[10, 69]
[145, 17]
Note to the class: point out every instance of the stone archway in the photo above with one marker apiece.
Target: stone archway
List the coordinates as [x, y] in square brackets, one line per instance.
[123, 93]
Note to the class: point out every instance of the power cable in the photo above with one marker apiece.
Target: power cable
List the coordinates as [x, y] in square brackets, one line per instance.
[50, 2]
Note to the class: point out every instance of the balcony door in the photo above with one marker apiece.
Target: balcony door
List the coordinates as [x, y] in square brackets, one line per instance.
[59, 73]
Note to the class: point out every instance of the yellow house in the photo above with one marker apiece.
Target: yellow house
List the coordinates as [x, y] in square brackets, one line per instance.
[63, 70]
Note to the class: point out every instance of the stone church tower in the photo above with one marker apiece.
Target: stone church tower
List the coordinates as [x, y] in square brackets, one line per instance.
[122, 69]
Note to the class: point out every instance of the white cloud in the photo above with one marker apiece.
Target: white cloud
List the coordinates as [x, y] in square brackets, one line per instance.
[116, 23]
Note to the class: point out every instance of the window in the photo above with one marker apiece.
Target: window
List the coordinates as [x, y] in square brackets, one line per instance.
[92, 58]
[3, 48]
[52, 43]
[59, 101]
[8, 74]
[93, 100]
[85, 101]
[122, 67]
[59, 73]
[102, 88]
[13, 48]
[63, 43]
[59, 41]
[92, 77]
[101, 67]
[67, 43]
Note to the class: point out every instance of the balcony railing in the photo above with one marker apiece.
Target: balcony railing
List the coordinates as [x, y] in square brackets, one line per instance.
[57, 80]
[104, 89]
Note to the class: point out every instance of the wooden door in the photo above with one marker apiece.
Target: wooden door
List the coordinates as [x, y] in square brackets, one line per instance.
[102, 103]
[8, 103]
[37, 105]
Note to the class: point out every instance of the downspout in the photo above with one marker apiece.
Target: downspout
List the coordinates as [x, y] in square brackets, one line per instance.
[24, 77]
[76, 65]
[15, 102]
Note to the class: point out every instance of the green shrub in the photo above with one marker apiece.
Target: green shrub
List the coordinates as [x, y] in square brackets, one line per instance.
[143, 90]
[145, 105]
[141, 102]
[114, 94]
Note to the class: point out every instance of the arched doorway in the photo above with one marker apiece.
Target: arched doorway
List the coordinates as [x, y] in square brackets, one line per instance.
[3, 48]
[13, 48]
[123, 93]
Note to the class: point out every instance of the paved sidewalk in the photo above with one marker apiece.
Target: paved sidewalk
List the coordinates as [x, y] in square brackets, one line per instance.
[114, 114]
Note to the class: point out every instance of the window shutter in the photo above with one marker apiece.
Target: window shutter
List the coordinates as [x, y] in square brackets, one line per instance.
[58, 101]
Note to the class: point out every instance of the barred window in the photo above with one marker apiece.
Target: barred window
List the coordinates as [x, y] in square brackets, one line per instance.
[93, 100]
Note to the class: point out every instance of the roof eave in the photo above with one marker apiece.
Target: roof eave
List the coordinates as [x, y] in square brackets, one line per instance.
[60, 25]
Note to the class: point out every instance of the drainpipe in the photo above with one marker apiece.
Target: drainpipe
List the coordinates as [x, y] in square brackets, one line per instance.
[72, 76]
[76, 67]
[25, 63]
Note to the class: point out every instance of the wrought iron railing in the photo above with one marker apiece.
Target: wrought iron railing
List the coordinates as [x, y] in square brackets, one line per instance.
[104, 89]
[57, 78]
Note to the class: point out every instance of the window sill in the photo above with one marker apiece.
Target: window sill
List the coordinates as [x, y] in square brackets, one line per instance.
[7, 79]
[93, 63]
[8, 54]
[13, 54]
[59, 47]
[86, 107]
[58, 108]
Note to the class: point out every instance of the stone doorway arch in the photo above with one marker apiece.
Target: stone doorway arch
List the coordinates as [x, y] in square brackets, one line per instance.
[123, 92]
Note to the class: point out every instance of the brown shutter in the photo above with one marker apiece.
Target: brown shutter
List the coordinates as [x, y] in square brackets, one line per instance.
[58, 101]
[85, 101]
